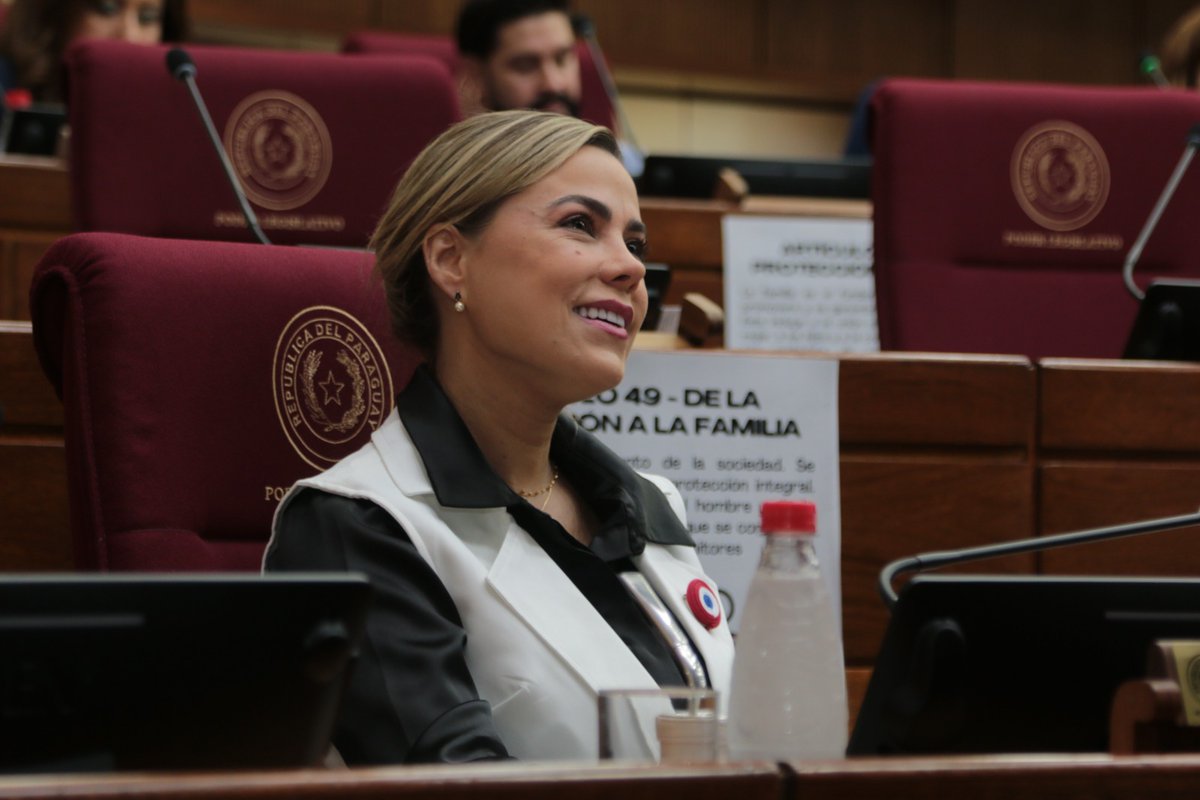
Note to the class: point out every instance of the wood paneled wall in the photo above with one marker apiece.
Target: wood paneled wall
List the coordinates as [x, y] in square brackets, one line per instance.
[810, 50]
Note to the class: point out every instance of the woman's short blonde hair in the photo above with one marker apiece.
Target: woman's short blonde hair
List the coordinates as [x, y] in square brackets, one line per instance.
[460, 179]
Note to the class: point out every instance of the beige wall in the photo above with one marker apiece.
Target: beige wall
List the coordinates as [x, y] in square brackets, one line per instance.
[707, 126]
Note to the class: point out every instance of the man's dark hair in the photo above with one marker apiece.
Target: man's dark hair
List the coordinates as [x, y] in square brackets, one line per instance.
[480, 21]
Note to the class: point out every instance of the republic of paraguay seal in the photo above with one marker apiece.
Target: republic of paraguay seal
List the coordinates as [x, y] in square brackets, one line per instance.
[1060, 175]
[280, 148]
[332, 384]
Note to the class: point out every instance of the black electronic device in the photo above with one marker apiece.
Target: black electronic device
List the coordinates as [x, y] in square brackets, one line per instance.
[696, 176]
[1014, 664]
[32, 131]
[137, 671]
[658, 278]
[1167, 325]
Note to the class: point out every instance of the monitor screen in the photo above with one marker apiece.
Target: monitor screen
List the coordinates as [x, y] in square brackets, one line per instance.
[122, 671]
[983, 664]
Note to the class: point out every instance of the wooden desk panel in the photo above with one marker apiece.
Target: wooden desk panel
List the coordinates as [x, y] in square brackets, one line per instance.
[1125, 407]
[35, 210]
[512, 781]
[895, 506]
[1119, 442]
[938, 400]
[1076, 495]
[34, 527]
[27, 401]
[36, 193]
[1049, 777]
[685, 232]
[937, 453]
[20, 252]
[35, 532]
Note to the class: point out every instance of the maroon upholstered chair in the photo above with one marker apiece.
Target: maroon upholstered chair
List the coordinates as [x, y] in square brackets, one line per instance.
[1003, 212]
[199, 380]
[385, 43]
[318, 140]
[594, 105]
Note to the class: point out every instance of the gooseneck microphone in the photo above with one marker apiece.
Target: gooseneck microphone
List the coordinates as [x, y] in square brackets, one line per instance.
[1135, 252]
[182, 68]
[945, 558]
[1150, 66]
[633, 156]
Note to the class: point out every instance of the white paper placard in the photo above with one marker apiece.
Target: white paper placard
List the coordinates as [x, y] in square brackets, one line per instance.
[731, 430]
[799, 283]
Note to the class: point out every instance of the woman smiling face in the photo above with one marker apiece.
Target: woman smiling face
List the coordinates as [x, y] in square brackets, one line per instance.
[553, 285]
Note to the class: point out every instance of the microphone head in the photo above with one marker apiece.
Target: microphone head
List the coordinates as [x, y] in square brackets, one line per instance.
[180, 64]
[582, 25]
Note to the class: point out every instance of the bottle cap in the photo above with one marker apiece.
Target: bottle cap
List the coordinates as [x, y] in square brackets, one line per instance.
[789, 516]
[18, 98]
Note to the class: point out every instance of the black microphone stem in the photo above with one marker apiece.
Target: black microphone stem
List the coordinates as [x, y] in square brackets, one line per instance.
[588, 31]
[945, 558]
[251, 218]
[1135, 252]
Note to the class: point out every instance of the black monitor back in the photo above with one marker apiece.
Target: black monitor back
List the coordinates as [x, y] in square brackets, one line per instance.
[31, 131]
[114, 672]
[696, 176]
[973, 664]
[1167, 325]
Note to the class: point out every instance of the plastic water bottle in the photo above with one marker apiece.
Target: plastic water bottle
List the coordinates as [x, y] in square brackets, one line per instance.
[788, 698]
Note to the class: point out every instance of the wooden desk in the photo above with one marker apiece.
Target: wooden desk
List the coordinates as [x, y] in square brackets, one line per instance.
[1119, 441]
[34, 532]
[936, 453]
[543, 781]
[35, 210]
[686, 234]
[1051, 777]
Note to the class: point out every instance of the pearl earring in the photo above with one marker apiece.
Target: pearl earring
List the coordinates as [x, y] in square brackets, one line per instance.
[459, 305]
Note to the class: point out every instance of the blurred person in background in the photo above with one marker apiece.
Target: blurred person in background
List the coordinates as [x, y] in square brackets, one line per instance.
[36, 33]
[519, 54]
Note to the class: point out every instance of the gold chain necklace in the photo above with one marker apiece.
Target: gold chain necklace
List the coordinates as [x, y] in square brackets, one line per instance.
[547, 490]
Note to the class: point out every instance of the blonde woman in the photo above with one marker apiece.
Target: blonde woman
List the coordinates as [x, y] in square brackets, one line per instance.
[494, 530]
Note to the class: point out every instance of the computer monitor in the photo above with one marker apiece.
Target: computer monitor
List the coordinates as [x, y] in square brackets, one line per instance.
[974, 664]
[696, 176]
[123, 671]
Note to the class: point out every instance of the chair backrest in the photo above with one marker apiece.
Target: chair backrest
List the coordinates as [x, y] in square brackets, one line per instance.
[594, 105]
[318, 140]
[1003, 212]
[199, 380]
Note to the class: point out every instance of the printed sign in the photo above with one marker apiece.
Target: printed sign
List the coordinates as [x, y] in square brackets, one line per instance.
[796, 283]
[731, 430]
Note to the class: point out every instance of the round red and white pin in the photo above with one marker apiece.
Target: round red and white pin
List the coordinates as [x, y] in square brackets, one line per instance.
[704, 603]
